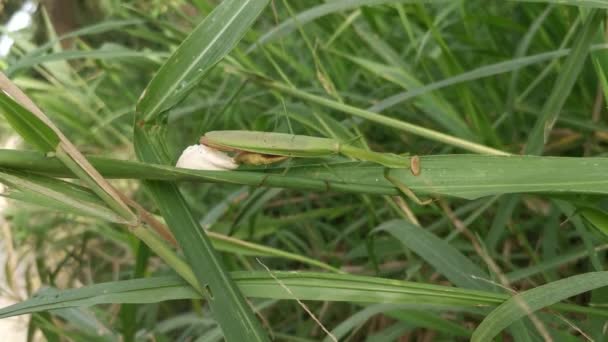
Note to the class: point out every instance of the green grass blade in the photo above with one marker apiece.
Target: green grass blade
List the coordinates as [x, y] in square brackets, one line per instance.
[434, 106]
[128, 312]
[445, 258]
[303, 285]
[466, 176]
[480, 72]
[475, 74]
[559, 261]
[228, 305]
[102, 27]
[38, 129]
[112, 168]
[31, 128]
[474, 176]
[210, 41]
[583, 3]
[598, 218]
[67, 197]
[414, 318]
[535, 299]
[383, 120]
[226, 243]
[564, 84]
[57, 194]
[319, 11]
[106, 53]
[357, 319]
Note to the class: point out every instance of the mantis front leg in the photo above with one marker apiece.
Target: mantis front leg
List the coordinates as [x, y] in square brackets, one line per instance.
[404, 189]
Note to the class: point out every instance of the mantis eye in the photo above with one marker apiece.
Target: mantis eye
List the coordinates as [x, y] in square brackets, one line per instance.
[201, 157]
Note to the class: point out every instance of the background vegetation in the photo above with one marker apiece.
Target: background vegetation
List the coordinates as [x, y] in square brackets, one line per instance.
[491, 78]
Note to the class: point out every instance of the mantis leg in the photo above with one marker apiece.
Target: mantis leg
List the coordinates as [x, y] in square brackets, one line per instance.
[330, 170]
[287, 167]
[404, 189]
[262, 182]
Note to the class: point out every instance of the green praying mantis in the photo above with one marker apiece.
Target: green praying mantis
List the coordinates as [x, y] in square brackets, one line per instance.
[261, 148]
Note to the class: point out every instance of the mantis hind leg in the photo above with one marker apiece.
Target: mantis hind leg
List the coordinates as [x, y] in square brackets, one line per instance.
[404, 189]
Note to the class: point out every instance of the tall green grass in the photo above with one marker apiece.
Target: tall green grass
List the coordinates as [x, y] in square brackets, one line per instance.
[504, 102]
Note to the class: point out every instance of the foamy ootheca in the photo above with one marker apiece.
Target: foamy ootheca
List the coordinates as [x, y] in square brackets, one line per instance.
[201, 157]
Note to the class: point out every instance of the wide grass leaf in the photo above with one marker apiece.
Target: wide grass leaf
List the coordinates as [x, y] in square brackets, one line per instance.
[260, 284]
[206, 45]
[456, 175]
[474, 176]
[210, 41]
[535, 299]
[228, 305]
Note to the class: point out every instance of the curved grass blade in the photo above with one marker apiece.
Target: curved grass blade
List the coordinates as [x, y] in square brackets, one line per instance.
[535, 299]
[316, 12]
[229, 244]
[57, 194]
[477, 73]
[23, 113]
[434, 106]
[414, 318]
[99, 54]
[210, 41]
[551, 264]
[598, 218]
[380, 119]
[102, 27]
[582, 3]
[446, 259]
[67, 197]
[563, 84]
[259, 284]
[30, 127]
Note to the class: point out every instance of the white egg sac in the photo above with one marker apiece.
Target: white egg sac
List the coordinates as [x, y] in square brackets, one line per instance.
[201, 157]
